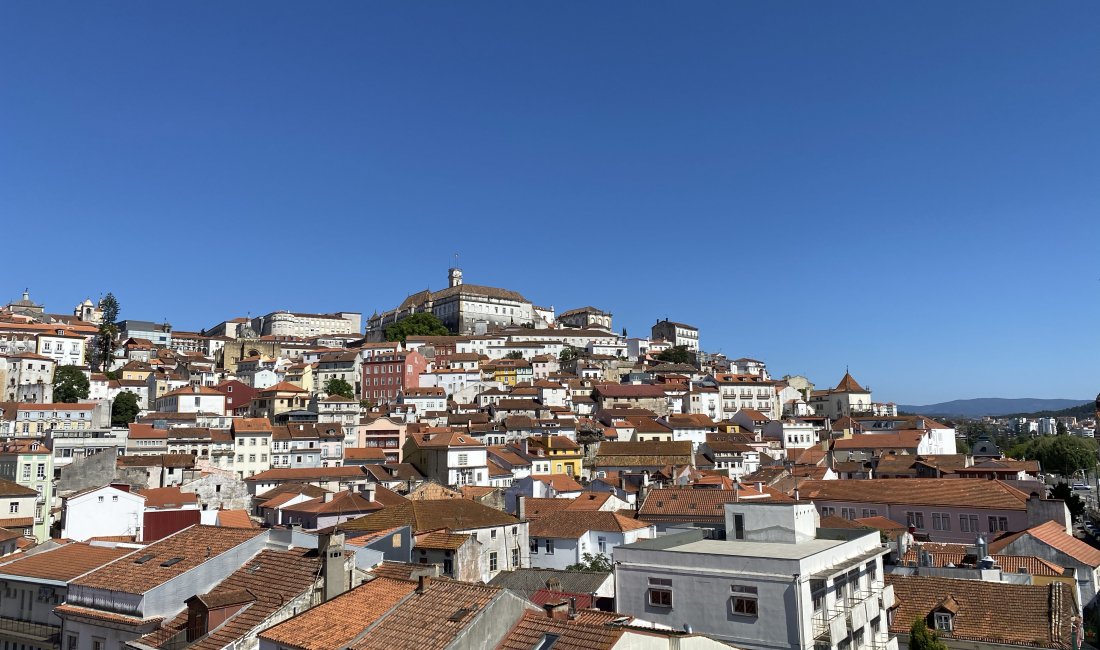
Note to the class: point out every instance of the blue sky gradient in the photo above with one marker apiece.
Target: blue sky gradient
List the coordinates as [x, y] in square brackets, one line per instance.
[910, 190]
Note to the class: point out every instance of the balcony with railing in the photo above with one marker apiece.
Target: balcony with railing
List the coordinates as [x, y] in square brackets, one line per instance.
[36, 632]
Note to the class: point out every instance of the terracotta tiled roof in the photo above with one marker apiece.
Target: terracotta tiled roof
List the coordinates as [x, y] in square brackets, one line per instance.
[632, 391]
[972, 493]
[571, 524]
[537, 508]
[364, 453]
[190, 544]
[590, 501]
[1054, 535]
[272, 578]
[12, 489]
[167, 497]
[342, 502]
[433, 514]
[398, 570]
[334, 624]
[441, 541]
[283, 387]
[991, 612]
[881, 523]
[1036, 566]
[70, 611]
[560, 482]
[300, 474]
[848, 384]
[893, 440]
[282, 493]
[235, 519]
[251, 425]
[430, 620]
[64, 563]
[703, 505]
[571, 635]
[446, 438]
[644, 454]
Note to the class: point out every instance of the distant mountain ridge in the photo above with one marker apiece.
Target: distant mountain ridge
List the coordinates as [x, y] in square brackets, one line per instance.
[993, 406]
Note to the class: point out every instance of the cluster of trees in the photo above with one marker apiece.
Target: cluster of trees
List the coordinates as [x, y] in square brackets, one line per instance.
[422, 324]
[1064, 455]
[592, 563]
[337, 386]
[677, 354]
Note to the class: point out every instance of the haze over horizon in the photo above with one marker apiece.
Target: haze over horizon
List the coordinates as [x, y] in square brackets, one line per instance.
[898, 190]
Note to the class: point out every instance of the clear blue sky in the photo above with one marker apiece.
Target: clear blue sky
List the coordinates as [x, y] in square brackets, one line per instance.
[912, 190]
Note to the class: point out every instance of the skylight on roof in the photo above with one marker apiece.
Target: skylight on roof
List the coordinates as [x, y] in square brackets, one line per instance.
[143, 559]
[171, 561]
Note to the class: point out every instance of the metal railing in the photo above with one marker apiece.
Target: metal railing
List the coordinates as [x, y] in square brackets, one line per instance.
[31, 630]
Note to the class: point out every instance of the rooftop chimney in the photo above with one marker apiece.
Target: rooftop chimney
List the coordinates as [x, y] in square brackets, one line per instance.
[422, 584]
[557, 610]
[521, 508]
[335, 575]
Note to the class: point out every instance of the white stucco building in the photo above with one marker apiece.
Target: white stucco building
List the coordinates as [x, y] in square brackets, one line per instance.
[563, 538]
[776, 582]
[102, 512]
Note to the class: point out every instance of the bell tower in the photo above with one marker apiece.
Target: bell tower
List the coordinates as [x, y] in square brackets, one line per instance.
[454, 276]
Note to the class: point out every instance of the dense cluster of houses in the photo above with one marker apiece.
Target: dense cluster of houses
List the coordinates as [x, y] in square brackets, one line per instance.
[294, 482]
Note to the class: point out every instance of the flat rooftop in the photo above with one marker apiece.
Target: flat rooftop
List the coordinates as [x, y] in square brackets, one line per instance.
[775, 550]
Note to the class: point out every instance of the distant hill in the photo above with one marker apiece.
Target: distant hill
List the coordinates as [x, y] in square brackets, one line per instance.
[997, 406]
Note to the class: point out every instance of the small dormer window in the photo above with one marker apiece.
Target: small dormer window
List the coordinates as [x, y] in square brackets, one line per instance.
[944, 621]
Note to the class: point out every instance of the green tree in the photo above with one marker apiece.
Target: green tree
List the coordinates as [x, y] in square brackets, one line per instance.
[514, 355]
[337, 386]
[70, 384]
[124, 410]
[1061, 428]
[568, 353]
[108, 331]
[1064, 455]
[1073, 500]
[962, 447]
[677, 354]
[922, 638]
[422, 324]
[592, 563]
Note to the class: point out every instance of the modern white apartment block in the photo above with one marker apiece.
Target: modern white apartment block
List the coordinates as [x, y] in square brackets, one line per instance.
[777, 581]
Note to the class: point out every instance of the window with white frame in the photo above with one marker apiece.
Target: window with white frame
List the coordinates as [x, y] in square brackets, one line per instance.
[941, 521]
[743, 600]
[660, 592]
[943, 622]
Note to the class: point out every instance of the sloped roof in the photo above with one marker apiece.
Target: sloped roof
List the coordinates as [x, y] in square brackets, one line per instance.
[527, 581]
[432, 514]
[271, 578]
[962, 492]
[194, 545]
[1053, 535]
[704, 505]
[336, 623]
[560, 482]
[572, 524]
[235, 519]
[533, 627]
[167, 497]
[430, 620]
[848, 384]
[991, 612]
[64, 563]
[1036, 566]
